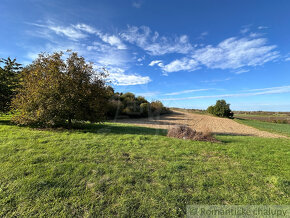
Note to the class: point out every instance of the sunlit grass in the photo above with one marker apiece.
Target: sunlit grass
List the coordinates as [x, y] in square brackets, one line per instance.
[267, 126]
[121, 170]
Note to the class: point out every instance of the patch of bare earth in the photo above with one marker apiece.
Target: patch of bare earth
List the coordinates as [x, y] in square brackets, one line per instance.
[199, 123]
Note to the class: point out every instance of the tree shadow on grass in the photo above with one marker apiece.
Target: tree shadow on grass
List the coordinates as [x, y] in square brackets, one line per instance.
[99, 128]
[6, 122]
[118, 129]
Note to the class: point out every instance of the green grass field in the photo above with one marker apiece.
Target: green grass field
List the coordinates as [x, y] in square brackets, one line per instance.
[120, 170]
[267, 126]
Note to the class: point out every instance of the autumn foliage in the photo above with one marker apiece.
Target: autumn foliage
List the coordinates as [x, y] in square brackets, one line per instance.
[54, 92]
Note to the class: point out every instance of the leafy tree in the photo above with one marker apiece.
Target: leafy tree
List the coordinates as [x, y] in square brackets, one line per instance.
[54, 91]
[221, 109]
[9, 80]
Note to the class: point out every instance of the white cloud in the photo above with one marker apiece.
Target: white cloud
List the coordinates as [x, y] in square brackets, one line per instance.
[152, 63]
[252, 92]
[182, 64]
[118, 77]
[287, 59]
[234, 53]
[112, 40]
[187, 91]
[155, 44]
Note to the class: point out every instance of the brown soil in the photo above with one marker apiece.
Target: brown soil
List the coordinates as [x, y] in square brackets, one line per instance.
[200, 122]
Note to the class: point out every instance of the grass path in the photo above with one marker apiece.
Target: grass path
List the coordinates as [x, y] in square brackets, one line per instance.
[122, 170]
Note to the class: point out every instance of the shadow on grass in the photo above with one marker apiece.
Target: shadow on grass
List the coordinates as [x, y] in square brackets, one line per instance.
[231, 134]
[96, 128]
[239, 118]
[118, 129]
[6, 122]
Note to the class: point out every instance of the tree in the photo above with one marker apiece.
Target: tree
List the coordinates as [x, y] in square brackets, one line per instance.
[9, 80]
[54, 91]
[221, 109]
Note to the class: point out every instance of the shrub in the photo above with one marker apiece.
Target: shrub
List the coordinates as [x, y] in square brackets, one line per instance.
[157, 108]
[134, 106]
[221, 109]
[145, 109]
[115, 108]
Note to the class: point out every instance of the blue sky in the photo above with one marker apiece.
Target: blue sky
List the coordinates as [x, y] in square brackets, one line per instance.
[185, 53]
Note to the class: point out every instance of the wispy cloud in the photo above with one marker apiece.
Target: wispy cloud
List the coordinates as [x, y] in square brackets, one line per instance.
[137, 3]
[252, 92]
[272, 89]
[113, 40]
[71, 31]
[86, 28]
[118, 77]
[106, 50]
[203, 35]
[262, 27]
[217, 80]
[241, 71]
[153, 43]
[232, 53]
[147, 94]
[186, 91]
[244, 30]
[80, 31]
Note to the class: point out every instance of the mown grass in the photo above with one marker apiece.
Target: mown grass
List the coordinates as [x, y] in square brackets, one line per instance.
[267, 126]
[121, 170]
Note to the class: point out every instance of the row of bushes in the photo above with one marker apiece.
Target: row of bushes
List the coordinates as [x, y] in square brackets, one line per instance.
[129, 105]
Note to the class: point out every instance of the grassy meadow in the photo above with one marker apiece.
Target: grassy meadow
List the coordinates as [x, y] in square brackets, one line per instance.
[122, 170]
[280, 128]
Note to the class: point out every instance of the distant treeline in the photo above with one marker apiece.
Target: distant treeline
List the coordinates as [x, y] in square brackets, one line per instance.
[129, 105]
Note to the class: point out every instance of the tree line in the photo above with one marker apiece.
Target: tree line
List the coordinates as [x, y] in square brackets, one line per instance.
[53, 91]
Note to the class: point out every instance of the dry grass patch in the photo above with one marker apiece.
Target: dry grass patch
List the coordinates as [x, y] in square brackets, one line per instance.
[185, 132]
